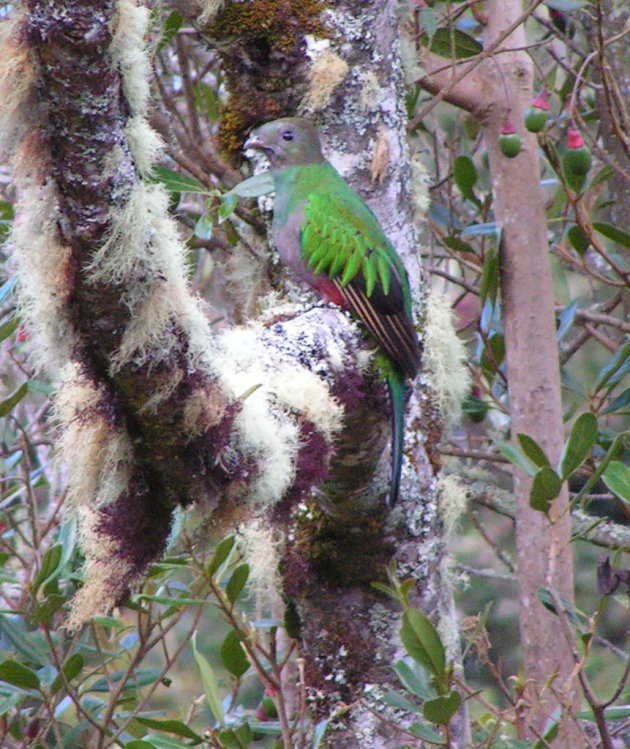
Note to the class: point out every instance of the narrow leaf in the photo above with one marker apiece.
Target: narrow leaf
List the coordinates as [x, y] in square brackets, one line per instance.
[6, 289]
[254, 187]
[71, 669]
[566, 319]
[171, 26]
[170, 726]
[533, 450]
[423, 643]
[7, 405]
[465, 176]
[451, 43]
[489, 281]
[514, 455]
[621, 401]
[612, 365]
[427, 733]
[237, 582]
[176, 182]
[49, 566]
[579, 444]
[210, 684]
[8, 328]
[20, 676]
[458, 245]
[221, 554]
[612, 232]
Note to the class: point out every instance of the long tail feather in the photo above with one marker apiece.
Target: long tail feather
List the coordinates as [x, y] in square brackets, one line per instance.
[396, 382]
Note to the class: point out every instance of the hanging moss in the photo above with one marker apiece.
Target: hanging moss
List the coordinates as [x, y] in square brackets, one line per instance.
[263, 51]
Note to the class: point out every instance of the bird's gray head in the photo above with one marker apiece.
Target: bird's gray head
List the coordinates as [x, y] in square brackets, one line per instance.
[290, 141]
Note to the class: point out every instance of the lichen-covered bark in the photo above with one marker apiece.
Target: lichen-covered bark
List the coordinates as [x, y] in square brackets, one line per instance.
[149, 410]
[341, 538]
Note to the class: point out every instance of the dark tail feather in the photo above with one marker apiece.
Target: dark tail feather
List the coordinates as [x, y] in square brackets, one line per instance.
[396, 382]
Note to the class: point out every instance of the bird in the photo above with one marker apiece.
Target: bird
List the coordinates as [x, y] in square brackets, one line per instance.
[328, 235]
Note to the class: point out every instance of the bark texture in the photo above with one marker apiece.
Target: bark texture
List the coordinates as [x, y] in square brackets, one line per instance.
[147, 409]
[544, 553]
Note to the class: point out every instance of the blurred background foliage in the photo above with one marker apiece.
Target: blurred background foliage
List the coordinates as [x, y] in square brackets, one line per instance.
[194, 659]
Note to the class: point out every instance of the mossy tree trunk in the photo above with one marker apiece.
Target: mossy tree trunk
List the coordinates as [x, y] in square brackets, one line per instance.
[147, 416]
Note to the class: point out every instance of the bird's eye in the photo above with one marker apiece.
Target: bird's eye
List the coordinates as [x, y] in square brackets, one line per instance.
[287, 135]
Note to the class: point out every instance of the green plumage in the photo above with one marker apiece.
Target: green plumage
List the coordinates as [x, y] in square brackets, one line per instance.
[330, 237]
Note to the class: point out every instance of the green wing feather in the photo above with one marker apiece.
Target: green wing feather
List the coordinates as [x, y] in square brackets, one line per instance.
[342, 239]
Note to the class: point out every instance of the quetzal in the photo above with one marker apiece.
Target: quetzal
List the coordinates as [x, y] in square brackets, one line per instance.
[328, 235]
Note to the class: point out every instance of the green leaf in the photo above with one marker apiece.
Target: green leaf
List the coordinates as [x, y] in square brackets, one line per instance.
[139, 744]
[229, 739]
[621, 401]
[565, 320]
[493, 353]
[71, 669]
[207, 100]
[8, 328]
[578, 239]
[577, 618]
[449, 43]
[489, 281]
[210, 684]
[237, 582]
[20, 676]
[45, 609]
[610, 713]
[423, 643]
[140, 678]
[233, 655]
[533, 450]
[465, 176]
[49, 566]
[400, 702]
[254, 187]
[7, 289]
[483, 230]
[441, 709]
[609, 373]
[514, 455]
[319, 732]
[7, 405]
[171, 726]
[229, 202]
[458, 245]
[545, 488]
[422, 731]
[204, 226]
[221, 554]
[413, 680]
[566, 6]
[427, 20]
[176, 182]
[579, 444]
[171, 26]
[27, 644]
[612, 232]
[617, 479]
